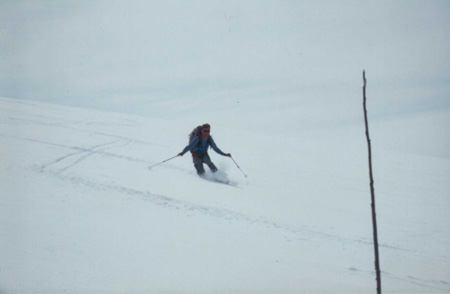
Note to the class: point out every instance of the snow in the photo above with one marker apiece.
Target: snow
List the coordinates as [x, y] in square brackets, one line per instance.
[81, 212]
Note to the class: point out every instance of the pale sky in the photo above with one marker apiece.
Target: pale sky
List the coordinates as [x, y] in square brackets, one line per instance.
[131, 56]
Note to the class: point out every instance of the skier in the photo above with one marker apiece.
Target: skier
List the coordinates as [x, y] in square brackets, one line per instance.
[199, 142]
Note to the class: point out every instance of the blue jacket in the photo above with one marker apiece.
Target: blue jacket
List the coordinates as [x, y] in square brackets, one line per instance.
[202, 148]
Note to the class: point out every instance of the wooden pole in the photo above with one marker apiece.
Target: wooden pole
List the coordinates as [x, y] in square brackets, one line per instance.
[372, 192]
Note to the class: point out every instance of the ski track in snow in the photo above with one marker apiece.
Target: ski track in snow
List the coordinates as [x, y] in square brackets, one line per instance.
[419, 282]
[190, 208]
[90, 151]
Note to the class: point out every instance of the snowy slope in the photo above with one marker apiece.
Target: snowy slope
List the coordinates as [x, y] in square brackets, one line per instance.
[80, 212]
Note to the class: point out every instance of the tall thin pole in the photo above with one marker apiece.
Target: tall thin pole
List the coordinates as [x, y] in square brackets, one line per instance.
[372, 192]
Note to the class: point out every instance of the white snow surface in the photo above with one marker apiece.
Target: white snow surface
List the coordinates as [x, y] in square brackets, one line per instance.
[80, 212]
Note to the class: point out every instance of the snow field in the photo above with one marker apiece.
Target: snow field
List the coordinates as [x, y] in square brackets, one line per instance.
[81, 212]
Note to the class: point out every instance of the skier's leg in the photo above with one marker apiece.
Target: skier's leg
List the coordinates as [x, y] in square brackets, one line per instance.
[198, 164]
[207, 160]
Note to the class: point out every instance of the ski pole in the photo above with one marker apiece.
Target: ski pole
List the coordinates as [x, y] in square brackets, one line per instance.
[238, 167]
[151, 166]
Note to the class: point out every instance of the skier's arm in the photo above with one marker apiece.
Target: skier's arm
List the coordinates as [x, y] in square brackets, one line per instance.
[214, 146]
[190, 146]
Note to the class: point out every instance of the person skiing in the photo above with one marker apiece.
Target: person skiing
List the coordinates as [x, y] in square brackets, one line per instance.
[199, 142]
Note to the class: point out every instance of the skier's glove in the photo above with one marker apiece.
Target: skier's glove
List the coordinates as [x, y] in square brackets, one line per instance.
[180, 154]
[228, 154]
